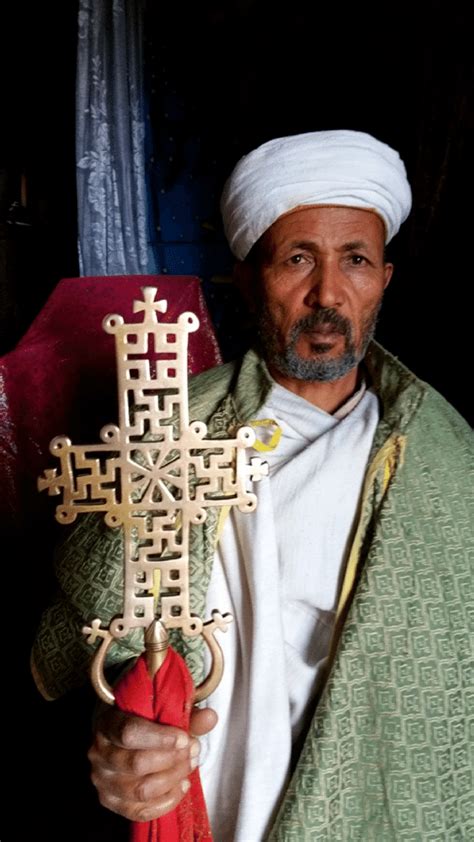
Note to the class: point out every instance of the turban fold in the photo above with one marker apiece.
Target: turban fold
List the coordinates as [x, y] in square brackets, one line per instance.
[343, 167]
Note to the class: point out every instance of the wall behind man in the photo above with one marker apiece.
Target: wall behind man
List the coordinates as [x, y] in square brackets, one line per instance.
[227, 77]
[37, 177]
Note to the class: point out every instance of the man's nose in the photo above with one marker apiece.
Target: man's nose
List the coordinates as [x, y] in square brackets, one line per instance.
[325, 288]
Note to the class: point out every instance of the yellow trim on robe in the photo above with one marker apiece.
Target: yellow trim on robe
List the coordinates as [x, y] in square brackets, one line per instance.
[389, 457]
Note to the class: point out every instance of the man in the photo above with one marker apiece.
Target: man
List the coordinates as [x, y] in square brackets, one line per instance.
[345, 703]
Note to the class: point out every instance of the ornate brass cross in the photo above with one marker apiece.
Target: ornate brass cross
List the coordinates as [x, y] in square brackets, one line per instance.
[154, 475]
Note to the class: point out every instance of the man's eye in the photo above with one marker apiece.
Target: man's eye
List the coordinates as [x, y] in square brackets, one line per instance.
[296, 259]
[358, 259]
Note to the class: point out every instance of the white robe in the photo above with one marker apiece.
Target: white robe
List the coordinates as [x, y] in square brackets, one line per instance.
[279, 572]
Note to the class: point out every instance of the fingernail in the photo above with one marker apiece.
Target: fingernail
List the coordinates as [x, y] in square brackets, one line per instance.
[182, 740]
[194, 762]
[185, 785]
[194, 750]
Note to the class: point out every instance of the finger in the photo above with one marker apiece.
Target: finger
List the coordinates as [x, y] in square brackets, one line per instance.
[105, 755]
[145, 789]
[136, 811]
[134, 732]
[152, 787]
[202, 721]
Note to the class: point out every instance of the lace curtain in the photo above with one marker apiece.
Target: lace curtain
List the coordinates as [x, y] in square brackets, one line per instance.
[110, 140]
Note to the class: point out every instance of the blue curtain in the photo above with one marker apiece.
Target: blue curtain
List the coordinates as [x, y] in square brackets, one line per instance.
[113, 217]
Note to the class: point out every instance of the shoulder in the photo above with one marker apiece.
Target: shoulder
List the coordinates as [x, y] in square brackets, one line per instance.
[208, 389]
[243, 385]
[440, 425]
[219, 377]
[411, 405]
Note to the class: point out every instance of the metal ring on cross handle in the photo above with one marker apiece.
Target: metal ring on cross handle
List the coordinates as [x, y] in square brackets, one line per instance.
[203, 690]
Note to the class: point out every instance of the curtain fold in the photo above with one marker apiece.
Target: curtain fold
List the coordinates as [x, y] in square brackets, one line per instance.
[113, 221]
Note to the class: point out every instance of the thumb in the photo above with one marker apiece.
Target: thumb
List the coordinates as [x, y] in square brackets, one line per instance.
[202, 721]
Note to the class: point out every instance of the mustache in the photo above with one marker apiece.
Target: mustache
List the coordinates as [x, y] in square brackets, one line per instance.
[326, 316]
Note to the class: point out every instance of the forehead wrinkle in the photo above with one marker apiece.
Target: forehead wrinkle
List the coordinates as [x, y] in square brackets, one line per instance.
[308, 245]
[305, 245]
[355, 245]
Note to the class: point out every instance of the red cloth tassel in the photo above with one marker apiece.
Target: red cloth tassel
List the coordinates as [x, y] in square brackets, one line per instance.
[167, 699]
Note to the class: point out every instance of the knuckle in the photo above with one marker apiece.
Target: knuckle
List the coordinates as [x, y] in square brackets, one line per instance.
[95, 779]
[137, 763]
[164, 787]
[95, 758]
[106, 799]
[100, 742]
[148, 813]
[170, 801]
[129, 732]
[145, 815]
[97, 744]
[152, 787]
[116, 804]
[142, 792]
[181, 772]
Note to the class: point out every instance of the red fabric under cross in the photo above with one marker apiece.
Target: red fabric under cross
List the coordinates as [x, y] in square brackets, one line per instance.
[166, 699]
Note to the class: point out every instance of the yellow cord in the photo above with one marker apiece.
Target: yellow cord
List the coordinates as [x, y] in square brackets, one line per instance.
[276, 436]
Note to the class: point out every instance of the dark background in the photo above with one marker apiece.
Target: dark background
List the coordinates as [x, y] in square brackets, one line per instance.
[230, 76]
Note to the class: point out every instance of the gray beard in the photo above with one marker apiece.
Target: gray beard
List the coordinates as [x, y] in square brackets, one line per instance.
[289, 363]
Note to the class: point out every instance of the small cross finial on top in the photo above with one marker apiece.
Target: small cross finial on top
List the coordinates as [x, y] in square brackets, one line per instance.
[149, 306]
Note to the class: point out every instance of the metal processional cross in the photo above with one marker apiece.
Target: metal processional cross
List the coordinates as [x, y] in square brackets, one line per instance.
[154, 475]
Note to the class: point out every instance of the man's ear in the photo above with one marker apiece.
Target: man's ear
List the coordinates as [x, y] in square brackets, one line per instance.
[388, 272]
[246, 280]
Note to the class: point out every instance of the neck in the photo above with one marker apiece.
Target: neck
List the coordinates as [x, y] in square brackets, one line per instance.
[328, 396]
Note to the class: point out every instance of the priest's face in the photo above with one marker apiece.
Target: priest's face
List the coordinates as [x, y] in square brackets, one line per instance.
[322, 277]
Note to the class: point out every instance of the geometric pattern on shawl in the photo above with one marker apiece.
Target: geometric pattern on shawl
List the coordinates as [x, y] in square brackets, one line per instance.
[389, 755]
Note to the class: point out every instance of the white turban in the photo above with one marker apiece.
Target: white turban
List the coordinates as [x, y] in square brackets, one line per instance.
[318, 168]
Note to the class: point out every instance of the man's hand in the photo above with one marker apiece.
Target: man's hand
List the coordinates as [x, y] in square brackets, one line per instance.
[141, 768]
